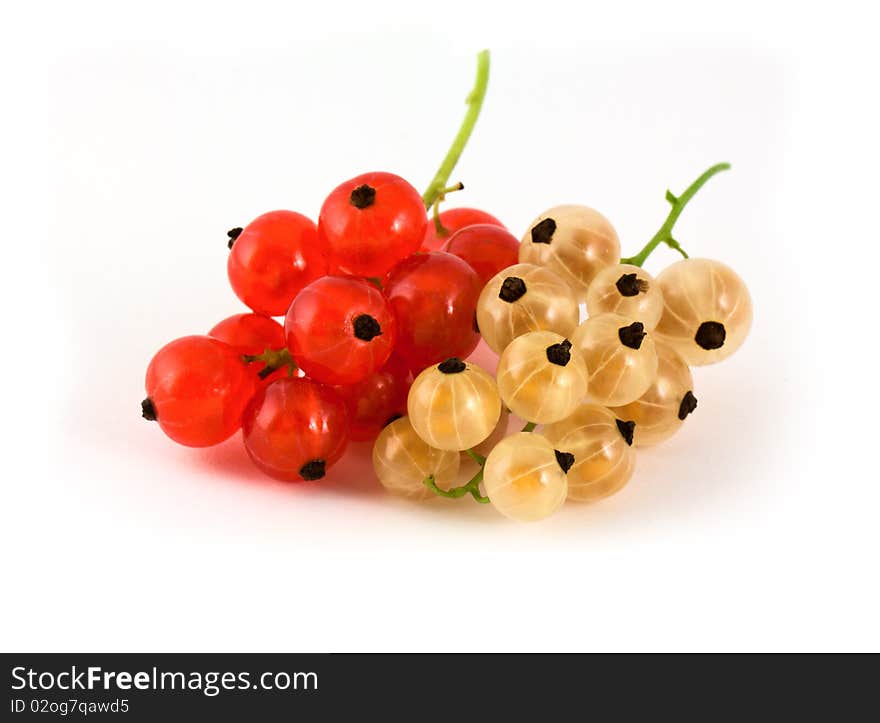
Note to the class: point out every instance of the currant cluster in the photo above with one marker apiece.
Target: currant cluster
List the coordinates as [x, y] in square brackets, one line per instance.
[384, 299]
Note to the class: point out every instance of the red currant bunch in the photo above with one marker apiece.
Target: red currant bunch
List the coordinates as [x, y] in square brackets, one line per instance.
[382, 304]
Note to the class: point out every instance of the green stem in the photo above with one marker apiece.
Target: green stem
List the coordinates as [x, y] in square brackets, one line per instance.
[274, 359]
[478, 458]
[530, 427]
[475, 103]
[472, 487]
[664, 235]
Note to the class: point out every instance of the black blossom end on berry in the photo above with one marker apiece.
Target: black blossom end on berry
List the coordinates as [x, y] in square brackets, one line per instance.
[632, 335]
[453, 365]
[312, 470]
[560, 353]
[233, 234]
[626, 430]
[148, 410]
[711, 335]
[363, 196]
[542, 233]
[393, 418]
[366, 328]
[688, 405]
[631, 285]
[513, 289]
[565, 460]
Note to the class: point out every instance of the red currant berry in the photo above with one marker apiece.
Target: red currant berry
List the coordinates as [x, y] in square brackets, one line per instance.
[272, 259]
[377, 400]
[197, 388]
[340, 330]
[434, 299]
[252, 334]
[371, 222]
[486, 248]
[453, 219]
[295, 429]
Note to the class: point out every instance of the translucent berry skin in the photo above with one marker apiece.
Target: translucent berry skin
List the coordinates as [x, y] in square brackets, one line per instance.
[252, 334]
[698, 292]
[434, 299]
[295, 429]
[454, 411]
[547, 304]
[468, 467]
[324, 332]
[376, 400]
[368, 239]
[199, 388]
[582, 243]
[523, 479]
[274, 257]
[487, 249]
[454, 219]
[618, 374]
[626, 290]
[603, 461]
[533, 387]
[657, 413]
[402, 460]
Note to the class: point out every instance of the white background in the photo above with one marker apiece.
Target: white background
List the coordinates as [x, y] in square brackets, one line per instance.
[167, 123]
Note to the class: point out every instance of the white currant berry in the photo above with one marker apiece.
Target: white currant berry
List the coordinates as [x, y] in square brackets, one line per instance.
[626, 290]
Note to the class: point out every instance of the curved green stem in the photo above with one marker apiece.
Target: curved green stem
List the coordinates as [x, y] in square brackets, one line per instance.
[472, 487]
[475, 104]
[664, 235]
[530, 427]
[274, 359]
[478, 458]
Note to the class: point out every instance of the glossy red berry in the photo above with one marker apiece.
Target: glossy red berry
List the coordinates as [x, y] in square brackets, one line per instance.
[486, 248]
[295, 429]
[272, 259]
[371, 222]
[197, 388]
[434, 299]
[252, 334]
[452, 220]
[377, 400]
[340, 330]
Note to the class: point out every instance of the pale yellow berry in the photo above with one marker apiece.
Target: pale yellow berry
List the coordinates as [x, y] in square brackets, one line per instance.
[707, 310]
[523, 477]
[620, 357]
[522, 298]
[574, 241]
[539, 378]
[626, 290]
[454, 405]
[402, 461]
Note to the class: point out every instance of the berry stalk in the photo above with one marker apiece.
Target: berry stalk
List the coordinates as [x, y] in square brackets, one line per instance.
[664, 235]
[474, 100]
[472, 487]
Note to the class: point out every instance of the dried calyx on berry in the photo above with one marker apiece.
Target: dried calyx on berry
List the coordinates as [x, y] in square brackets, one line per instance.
[559, 353]
[363, 196]
[512, 289]
[453, 365]
[631, 285]
[312, 470]
[366, 328]
[711, 335]
[626, 430]
[632, 335]
[542, 233]
[233, 234]
[148, 410]
[565, 460]
[688, 405]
